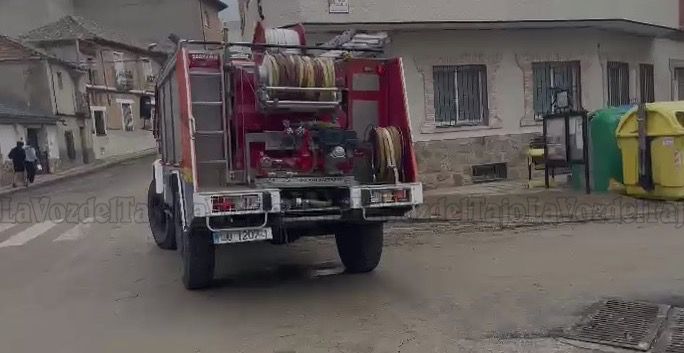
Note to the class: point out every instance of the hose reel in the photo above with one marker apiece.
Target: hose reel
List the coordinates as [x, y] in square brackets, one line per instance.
[388, 154]
[287, 70]
[283, 36]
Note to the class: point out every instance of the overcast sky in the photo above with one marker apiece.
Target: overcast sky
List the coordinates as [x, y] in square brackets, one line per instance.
[231, 13]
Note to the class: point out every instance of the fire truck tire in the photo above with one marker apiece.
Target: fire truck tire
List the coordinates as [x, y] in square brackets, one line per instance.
[197, 252]
[360, 247]
[163, 230]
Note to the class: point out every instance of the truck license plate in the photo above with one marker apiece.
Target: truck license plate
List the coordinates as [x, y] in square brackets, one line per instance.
[242, 236]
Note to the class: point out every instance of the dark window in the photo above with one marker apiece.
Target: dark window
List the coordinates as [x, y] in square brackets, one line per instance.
[60, 81]
[551, 77]
[679, 76]
[618, 83]
[99, 122]
[647, 83]
[490, 172]
[93, 77]
[461, 95]
[71, 149]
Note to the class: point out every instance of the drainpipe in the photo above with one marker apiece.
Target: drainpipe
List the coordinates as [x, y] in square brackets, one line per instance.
[78, 54]
[604, 75]
[104, 74]
[201, 9]
[673, 80]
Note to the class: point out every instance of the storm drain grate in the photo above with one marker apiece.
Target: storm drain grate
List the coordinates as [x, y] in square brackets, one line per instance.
[620, 323]
[672, 338]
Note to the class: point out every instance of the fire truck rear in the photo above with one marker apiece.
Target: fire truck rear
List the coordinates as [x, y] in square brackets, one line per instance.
[286, 142]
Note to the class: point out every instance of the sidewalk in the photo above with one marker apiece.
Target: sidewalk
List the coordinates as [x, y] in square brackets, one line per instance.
[513, 204]
[47, 179]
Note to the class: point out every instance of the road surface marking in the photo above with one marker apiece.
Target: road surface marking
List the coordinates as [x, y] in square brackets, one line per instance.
[29, 234]
[77, 232]
[6, 226]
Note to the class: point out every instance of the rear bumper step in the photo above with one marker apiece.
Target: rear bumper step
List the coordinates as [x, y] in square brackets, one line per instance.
[364, 198]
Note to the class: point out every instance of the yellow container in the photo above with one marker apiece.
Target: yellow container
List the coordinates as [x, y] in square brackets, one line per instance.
[665, 130]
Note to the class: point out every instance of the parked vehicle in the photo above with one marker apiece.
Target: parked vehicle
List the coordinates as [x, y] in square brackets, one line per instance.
[281, 144]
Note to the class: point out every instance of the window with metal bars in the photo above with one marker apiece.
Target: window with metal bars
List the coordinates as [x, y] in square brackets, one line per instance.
[647, 83]
[618, 83]
[679, 78]
[551, 77]
[461, 95]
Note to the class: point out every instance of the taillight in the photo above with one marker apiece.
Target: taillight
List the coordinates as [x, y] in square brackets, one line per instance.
[220, 204]
[388, 196]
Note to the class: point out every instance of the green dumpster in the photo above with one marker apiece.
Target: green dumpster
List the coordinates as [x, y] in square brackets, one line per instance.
[606, 158]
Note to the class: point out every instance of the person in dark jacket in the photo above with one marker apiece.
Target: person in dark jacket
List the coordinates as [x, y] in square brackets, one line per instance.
[18, 157]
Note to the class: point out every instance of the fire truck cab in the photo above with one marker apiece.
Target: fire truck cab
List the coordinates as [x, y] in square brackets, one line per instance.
[283, 143]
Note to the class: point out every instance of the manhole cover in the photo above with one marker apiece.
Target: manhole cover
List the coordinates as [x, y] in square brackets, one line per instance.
[620, 323]
[672, 338]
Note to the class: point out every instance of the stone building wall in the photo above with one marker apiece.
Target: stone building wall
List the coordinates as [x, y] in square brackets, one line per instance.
[447, 163]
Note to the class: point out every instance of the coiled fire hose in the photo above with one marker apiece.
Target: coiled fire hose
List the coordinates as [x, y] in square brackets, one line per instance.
[283, 36]
[388, 153]
[284, 70]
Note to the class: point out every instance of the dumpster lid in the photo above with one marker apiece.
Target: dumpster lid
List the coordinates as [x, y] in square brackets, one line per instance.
[664, 119]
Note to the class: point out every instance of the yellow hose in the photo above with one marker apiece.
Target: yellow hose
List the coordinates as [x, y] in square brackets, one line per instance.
[299, 71]
[388, 154]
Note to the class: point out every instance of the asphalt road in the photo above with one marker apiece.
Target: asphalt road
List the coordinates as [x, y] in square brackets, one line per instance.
[96, 282]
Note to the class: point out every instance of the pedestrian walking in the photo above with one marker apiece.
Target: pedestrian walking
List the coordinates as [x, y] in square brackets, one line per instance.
[31, 163]
[18, 157]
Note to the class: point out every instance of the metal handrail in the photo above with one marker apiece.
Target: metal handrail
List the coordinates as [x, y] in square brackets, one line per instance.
[304, 89]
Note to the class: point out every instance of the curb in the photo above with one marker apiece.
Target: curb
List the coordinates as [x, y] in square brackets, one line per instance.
[84, 171]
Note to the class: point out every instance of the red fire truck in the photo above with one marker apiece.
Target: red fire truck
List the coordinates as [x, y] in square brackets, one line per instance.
[285, 142]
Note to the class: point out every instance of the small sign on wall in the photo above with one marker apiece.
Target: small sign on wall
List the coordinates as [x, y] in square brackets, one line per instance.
[339, 6]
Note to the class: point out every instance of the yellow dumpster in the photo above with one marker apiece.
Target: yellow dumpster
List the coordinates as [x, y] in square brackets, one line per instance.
[665, 131]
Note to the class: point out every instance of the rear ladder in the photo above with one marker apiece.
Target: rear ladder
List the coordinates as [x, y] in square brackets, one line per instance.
[210, 133]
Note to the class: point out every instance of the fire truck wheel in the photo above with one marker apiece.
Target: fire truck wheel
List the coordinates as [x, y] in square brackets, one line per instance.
[162, 228]
[360, 246]
[197, 252]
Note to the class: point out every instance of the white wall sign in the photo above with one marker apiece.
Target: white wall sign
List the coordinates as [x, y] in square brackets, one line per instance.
[339, 6]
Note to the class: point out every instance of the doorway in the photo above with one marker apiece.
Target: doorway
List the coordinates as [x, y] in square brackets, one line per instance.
[84, 145]
[127, 117]
[33, 139]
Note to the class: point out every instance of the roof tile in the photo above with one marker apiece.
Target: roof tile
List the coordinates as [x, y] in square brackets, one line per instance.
[74, 27]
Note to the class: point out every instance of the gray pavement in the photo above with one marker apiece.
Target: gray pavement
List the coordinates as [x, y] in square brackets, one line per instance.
[97, 283]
